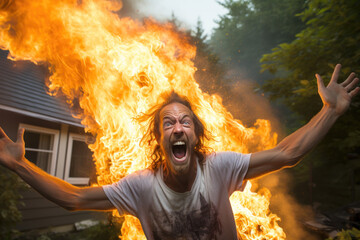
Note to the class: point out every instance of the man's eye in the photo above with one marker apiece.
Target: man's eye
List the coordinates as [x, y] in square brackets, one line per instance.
[186, 123]
[167, 124]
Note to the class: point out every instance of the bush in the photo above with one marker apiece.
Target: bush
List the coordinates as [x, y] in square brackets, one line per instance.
[9, 201]
[350, 234]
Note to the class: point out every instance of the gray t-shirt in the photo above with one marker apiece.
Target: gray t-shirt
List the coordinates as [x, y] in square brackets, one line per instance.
[204, 212]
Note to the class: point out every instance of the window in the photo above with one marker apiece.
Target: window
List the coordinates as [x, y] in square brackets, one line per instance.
[79, 167]
[41, 146]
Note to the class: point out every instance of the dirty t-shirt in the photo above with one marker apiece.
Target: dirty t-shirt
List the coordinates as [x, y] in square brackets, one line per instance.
[204, 212]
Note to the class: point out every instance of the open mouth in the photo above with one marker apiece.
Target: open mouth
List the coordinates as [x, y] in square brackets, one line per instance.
[179, 150]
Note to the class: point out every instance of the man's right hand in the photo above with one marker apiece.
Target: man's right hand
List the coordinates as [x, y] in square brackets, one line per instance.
[11, 152]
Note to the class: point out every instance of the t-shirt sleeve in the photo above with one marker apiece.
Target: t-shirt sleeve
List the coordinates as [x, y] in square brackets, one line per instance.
[231, 168]
[127, 195]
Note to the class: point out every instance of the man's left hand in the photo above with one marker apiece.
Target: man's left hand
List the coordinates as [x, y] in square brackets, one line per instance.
[338, 95]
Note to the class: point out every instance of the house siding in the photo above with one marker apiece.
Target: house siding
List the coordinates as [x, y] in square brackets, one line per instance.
[39, 213]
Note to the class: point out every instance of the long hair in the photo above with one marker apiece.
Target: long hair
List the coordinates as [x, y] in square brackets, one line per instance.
[153, 134]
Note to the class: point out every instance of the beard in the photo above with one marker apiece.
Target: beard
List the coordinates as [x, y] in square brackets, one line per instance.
[176, 167]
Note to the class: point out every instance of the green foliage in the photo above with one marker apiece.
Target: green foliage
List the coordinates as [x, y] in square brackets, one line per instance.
[9, 200]
[331, 36]
[252, 28]
[350, 234]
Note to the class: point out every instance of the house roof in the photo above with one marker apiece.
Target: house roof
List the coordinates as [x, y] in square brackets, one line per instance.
[22, 90]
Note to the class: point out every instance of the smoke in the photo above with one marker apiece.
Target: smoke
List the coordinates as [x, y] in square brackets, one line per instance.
[238, 93]
[292, 214]
[246, 105]
[130, 8]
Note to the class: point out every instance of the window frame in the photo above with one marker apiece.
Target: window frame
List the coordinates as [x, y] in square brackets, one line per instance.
[73, 180]
[55, 133]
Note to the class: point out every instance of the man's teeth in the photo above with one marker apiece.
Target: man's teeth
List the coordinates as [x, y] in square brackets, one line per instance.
[179, 143]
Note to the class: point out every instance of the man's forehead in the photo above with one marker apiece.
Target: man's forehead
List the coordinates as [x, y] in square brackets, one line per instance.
[175, 109]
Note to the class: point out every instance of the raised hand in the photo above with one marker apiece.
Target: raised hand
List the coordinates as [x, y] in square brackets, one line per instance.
[11, 152]
[338, 95]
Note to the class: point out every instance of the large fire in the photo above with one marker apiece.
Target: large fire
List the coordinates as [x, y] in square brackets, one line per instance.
[116, 68]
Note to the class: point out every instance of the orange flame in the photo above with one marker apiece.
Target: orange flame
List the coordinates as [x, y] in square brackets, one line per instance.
[115, 69]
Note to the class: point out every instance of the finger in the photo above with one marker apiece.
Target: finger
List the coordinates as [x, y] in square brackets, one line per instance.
[2, 133]
[320, 82]
[352, 84]
[354, 92]
[20, 135]
[336, 73]
[348, 80]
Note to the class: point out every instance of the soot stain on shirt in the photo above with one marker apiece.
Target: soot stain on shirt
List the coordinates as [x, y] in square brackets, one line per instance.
[202, 223]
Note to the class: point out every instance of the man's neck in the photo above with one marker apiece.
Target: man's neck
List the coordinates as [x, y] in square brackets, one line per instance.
[181, 182]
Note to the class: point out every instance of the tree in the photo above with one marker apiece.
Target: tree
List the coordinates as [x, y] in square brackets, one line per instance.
[252, 28]
[332, 36]
[210, 73]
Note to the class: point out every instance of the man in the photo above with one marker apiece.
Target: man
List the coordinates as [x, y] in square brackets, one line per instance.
[185, 193]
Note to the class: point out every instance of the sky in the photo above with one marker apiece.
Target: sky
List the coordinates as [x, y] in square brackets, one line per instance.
[187, 11]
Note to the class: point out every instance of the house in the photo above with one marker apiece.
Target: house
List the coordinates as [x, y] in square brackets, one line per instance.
[54, 140]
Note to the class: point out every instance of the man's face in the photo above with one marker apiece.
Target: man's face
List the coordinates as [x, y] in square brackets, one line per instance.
[178, 138]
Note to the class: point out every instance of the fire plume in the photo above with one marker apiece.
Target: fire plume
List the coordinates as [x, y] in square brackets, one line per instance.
[115, 69]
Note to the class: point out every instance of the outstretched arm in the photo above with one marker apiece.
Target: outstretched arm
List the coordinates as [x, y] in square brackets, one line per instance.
[336, 98]
[60, 192]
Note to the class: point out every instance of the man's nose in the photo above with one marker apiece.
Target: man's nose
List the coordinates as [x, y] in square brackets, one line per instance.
[178, 130]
